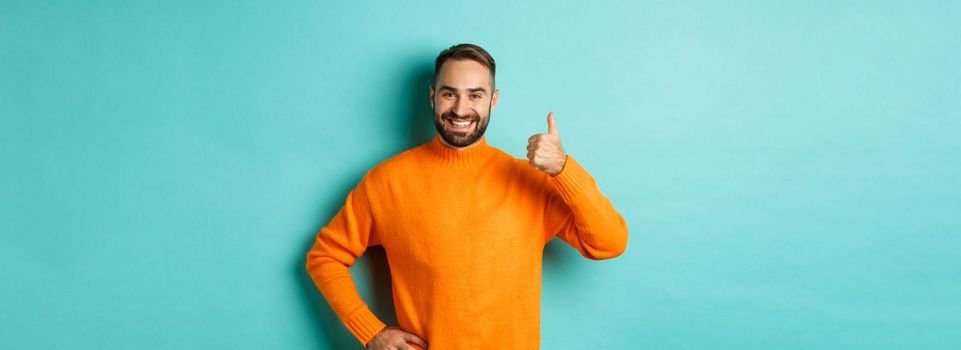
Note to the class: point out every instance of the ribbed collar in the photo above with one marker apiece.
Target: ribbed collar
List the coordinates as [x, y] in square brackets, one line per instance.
[471, 156]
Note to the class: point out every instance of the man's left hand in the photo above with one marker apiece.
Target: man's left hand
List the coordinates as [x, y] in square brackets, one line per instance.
[544, 151]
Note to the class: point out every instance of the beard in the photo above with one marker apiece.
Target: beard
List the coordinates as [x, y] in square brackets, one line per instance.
[460, 138]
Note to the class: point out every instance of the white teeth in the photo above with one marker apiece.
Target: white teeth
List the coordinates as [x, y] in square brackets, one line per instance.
[458, 123]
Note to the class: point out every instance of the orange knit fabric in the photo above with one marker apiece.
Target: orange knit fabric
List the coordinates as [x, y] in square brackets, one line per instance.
[464, 233]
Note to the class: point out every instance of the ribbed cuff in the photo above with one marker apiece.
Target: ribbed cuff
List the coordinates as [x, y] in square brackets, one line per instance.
[573, 179]
[364, 325]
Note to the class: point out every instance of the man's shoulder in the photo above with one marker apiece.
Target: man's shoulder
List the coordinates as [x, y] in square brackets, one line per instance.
[398, 164]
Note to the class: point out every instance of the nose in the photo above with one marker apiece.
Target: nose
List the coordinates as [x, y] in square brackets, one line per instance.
[461, 107]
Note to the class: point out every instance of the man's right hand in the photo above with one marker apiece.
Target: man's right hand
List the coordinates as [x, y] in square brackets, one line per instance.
[394, 338]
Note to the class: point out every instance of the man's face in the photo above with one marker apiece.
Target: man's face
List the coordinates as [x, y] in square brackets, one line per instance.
[462, 101]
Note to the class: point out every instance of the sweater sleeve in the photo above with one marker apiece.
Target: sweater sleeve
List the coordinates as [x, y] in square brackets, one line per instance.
[336, 248]
[578, 213]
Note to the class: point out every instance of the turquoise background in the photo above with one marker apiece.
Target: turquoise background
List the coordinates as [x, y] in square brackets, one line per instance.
[788, 171]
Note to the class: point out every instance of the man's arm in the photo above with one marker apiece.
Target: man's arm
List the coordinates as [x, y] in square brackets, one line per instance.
[337, 247]
[576, 209]
[582, 216]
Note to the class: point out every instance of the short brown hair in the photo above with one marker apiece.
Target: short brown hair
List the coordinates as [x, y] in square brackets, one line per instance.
[465, 52]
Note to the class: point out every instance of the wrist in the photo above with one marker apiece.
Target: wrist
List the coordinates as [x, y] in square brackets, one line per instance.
[561, 168]
[367, 346]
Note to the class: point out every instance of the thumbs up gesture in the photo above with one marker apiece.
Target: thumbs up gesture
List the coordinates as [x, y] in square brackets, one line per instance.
[544, 151]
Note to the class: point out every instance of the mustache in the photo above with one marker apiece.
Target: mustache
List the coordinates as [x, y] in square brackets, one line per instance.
[452, 115]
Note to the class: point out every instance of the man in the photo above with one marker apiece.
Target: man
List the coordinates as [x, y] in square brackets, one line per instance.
[463, 224]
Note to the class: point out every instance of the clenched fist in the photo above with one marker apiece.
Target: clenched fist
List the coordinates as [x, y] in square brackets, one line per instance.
[544, 151]
[394, 338]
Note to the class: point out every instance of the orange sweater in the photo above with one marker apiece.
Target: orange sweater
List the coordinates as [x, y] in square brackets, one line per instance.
[464, 233]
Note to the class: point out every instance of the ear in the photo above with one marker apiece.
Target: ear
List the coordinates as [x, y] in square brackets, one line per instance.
[430, 94]
[494, 96]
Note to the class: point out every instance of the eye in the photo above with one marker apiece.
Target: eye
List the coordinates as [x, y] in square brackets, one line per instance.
[475, 96]
[447, 94]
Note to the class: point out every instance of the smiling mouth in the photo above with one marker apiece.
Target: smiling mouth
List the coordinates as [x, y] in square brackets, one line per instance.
[460, 124]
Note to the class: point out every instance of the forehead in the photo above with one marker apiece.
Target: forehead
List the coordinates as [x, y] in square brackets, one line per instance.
[463, 74]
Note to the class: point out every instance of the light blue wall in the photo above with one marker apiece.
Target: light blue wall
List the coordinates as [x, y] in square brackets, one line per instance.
[789, 172]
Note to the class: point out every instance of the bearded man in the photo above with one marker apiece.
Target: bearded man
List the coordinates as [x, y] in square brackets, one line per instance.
[463, 225]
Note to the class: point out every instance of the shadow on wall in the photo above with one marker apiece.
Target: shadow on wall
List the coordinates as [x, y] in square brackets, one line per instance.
[419, 115]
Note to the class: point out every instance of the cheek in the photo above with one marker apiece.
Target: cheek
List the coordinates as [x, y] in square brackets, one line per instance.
[447, 106]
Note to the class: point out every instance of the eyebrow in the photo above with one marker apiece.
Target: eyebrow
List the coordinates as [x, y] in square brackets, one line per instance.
[476, 89]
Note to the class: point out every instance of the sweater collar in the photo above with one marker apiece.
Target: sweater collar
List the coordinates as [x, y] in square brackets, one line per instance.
[471, 156]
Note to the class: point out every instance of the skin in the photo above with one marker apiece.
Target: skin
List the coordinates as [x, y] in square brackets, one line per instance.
[463, 92]
[544, 151]
[394, 338]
